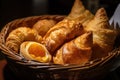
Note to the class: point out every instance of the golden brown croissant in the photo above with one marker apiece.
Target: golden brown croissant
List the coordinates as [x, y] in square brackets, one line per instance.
[77, 51]
[60, 33]
[79, 13]
[17, 36]
[35, 51]
[103, 36]
[42, 26]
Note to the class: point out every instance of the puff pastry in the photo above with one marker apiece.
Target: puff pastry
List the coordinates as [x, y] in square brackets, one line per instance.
[79, 13]
[35, 51]
[77, 51]
[42, 26]
[63, 31]
[103, 36]
[17, 36]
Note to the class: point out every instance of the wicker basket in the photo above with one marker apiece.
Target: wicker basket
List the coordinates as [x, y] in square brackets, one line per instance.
[31, 70]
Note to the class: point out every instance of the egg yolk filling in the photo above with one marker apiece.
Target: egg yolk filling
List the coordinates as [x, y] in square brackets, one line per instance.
[36, 50]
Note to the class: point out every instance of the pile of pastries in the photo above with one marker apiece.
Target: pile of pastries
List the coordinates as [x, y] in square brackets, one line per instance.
[80, 37]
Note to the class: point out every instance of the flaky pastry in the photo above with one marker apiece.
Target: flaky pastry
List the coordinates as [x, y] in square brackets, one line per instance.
[103, 36]
[77, 51]
[60, 33]
[80, 14]
[17, 36]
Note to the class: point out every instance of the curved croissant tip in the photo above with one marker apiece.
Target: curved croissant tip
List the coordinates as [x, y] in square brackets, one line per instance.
[89, 33]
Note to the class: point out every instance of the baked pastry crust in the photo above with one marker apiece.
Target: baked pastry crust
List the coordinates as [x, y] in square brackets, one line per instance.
[80, 14]
[35, 51]
[77, 51]
[19, 35]
[103, 36]
[42, 26]
[63, 31]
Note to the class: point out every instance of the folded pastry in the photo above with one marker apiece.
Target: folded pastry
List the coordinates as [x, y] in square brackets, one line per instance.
[100, 20]
[77, 51]
[77, 9]
[42, 26]
[103, 36]
[63, 31]
[17, 36]
[80, 13]
[35, 51]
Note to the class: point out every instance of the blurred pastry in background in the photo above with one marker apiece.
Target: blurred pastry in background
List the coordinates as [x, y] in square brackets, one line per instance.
[79, 13]
[42, 26]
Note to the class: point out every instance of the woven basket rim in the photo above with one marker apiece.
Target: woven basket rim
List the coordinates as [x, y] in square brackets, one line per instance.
[50, 66]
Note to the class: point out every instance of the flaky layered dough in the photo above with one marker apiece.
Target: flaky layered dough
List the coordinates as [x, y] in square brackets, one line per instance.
[79, 13]
[68, 28]
[42, 26]
[103, 36]
[77, 51]
[17, 36]
[63, 31]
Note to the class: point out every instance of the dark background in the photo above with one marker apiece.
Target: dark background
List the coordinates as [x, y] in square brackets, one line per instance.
[13, 9]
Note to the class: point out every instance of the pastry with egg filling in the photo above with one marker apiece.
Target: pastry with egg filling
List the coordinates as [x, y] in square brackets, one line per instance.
[35, 51]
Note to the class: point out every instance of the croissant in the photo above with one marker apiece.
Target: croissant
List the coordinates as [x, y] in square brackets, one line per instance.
[42, 26]
[103, 36]
[79, 13]
[77, 51]
[17, 36]
[35, 51]
[60, 33]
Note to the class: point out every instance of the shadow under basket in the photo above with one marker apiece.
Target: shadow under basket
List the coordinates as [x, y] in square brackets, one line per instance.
[31, 70]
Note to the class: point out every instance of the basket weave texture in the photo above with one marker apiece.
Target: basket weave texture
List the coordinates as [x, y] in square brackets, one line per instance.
[31, 70]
